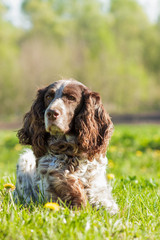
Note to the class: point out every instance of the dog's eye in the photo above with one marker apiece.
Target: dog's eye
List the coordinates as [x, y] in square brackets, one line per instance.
[71, 98]
[49, 97]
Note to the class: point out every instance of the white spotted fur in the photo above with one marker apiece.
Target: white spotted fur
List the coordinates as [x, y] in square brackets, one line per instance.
[35, 181]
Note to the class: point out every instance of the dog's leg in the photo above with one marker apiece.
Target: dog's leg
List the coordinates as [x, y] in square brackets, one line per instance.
[106, 200]
[67, 187]
[26, 171]
[100, 195]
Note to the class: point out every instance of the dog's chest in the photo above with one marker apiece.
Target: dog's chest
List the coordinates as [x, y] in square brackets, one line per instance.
[82, 169]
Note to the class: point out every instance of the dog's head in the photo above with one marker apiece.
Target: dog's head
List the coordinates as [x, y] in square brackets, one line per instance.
[67, 107]
[63, 100]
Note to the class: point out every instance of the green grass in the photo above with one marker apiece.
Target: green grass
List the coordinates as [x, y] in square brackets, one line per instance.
[134, 159]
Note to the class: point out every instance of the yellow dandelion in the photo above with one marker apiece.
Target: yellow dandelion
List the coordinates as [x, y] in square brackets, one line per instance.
[143, 169]
[110, 176]
[18, 147]
[110, 163]
[139, 153]
[156, 153]
[9, 186]
[113, 149]
[53, 206]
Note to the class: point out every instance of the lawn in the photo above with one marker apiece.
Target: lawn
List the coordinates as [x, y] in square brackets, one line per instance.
[134, 159]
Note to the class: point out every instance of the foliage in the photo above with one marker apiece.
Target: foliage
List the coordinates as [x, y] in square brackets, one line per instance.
[135, 150]
[114, 50]
[133, 156]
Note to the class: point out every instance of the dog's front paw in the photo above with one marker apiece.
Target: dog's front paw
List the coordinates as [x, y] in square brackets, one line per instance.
[114, 209]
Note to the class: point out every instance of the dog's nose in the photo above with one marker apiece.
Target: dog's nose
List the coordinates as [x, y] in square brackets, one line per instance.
[53, 114]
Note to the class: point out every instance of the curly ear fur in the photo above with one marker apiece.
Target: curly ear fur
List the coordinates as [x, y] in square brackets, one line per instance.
[93, 126]
[33, 131]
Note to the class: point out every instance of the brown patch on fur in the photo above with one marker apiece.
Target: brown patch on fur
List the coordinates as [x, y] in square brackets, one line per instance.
[60, 146]
[93, 126]
[69, 189]
[33, 131]
[72, 163]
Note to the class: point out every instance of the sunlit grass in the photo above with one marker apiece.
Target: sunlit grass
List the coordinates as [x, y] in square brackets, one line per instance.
[134, 161]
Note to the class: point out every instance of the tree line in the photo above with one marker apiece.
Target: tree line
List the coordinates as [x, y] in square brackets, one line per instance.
[111, 46]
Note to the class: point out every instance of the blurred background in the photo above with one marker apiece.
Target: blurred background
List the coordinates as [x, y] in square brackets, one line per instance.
[112, 46]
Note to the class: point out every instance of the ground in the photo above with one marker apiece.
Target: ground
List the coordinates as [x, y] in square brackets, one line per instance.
[134, 159]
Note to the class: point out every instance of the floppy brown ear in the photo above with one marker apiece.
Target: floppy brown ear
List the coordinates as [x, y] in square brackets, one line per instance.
[33, 131]
[93, 126]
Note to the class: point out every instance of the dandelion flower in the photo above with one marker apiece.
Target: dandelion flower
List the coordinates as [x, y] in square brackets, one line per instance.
[138, 153]
[53, 206]
[110, 176]
[18, 147]
[156, 153]
[111, 163]
[9, 186]
[113, 148]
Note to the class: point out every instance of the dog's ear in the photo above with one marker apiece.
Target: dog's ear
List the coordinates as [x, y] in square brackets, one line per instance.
[93, 125]
[33, 130]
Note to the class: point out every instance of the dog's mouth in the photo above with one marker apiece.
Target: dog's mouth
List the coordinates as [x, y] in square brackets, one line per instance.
[54, 130]
[56, 127]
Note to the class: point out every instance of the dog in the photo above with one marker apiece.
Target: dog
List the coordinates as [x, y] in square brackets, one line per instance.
[68, 131]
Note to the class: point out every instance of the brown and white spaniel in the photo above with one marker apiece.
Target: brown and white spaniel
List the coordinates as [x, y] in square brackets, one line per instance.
[69, 132]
